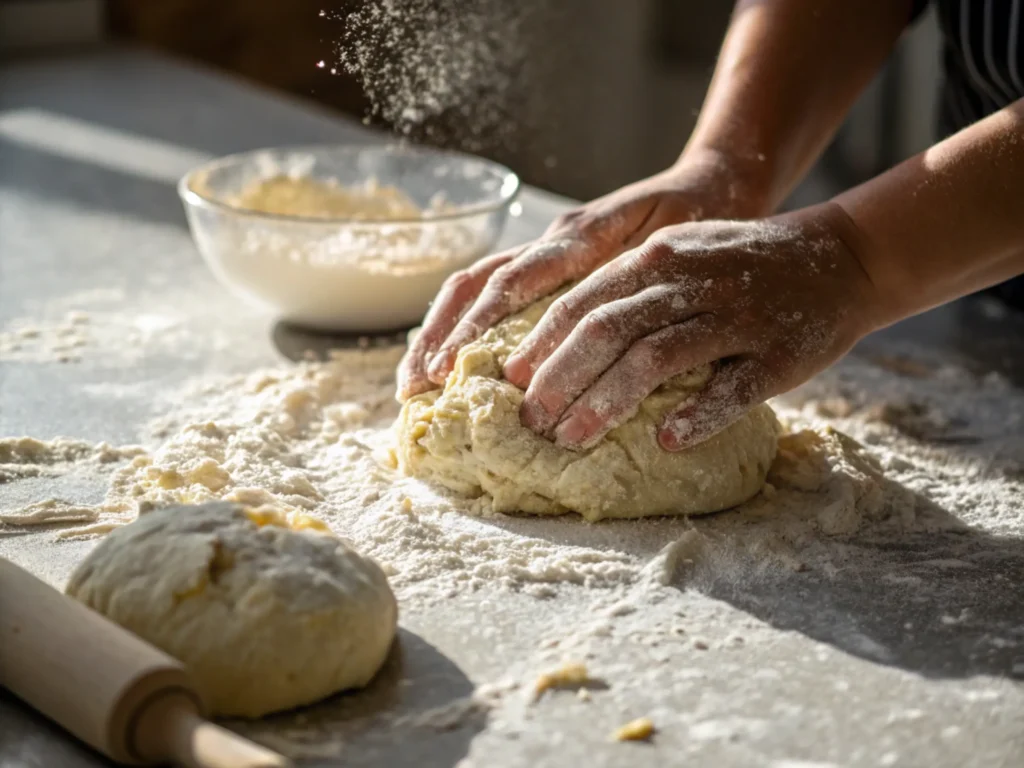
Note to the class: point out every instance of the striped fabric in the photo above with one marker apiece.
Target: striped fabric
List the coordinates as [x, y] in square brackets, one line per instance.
[983, 63]
[983, 58]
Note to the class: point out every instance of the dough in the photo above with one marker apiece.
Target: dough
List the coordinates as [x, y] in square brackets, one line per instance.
[468, 439]
[267, 613]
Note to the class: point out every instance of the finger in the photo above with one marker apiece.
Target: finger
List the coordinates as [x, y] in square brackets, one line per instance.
[594, 345]
[648, 364]
[627, 275]
[734, 389]
[539, 270]
[458, 292]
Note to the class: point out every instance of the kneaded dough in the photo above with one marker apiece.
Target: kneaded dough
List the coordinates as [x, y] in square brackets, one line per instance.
[266, 613]
[467, 438]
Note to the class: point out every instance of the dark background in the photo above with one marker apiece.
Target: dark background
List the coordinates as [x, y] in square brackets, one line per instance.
[603, 91]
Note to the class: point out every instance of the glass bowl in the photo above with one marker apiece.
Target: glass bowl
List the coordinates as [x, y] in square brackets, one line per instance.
[348, 274]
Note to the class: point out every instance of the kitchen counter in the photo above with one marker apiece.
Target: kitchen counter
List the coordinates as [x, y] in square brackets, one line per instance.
[90, 149]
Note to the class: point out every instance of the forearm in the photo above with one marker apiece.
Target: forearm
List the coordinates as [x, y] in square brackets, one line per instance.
[787, 74]
[945, 223]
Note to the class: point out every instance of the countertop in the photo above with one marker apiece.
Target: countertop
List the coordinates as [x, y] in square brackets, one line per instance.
[91, 146]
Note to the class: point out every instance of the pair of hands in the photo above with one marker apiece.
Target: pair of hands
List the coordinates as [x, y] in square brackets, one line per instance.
[773, 301]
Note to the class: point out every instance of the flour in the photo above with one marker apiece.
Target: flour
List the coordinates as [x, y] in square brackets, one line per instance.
[22, 457]
[333, 275]
[316, 437]
[420, 60]
[307, 197]
[51, 512]
[71, 336]
[62, 341]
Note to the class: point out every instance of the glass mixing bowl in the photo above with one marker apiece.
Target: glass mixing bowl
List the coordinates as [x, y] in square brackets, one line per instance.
[348, 274]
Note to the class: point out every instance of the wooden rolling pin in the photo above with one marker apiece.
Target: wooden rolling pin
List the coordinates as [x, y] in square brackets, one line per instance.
[115, 692]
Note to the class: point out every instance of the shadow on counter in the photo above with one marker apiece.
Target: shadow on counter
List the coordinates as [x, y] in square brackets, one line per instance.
[416, 712]
[89, 187]
[297, 343]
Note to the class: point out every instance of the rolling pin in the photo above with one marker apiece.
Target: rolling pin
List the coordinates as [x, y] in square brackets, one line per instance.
[109, 688]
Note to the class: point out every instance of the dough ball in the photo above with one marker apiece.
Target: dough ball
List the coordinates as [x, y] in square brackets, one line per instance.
[267, 613]
[468, 439]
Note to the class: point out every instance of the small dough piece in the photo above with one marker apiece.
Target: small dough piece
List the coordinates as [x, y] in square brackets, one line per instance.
[266, 613]
[468, 439]
[640, 729]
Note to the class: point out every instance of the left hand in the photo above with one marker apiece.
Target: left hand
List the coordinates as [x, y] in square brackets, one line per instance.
[773, 301]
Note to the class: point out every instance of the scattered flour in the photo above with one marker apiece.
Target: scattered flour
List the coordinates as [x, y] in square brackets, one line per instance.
[61, 341]
[420, 60]
[316, 438]
[97, 333]
[22, 457]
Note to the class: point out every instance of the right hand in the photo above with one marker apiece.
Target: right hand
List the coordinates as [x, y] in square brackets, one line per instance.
[701, 186]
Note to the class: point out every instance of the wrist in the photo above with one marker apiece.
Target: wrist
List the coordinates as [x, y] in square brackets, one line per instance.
[829, 227]
[889, 301]
[742, 183]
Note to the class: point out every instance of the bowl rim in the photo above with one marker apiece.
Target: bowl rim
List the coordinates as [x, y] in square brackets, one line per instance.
[190, 196]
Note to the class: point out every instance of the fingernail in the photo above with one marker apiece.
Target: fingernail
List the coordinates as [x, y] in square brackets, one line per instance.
[581, 429]
[571, 432]
[675, 434]
[517, 371]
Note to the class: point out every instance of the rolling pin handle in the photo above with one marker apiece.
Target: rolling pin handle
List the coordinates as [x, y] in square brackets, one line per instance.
[170, 730]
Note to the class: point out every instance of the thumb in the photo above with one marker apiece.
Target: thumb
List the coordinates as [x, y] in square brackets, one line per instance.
[733, 389]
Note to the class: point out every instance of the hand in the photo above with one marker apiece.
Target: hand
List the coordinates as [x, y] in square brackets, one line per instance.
[703, 185]
[772, 301]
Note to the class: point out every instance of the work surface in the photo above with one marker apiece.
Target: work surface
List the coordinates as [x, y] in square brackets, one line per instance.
[915, 660]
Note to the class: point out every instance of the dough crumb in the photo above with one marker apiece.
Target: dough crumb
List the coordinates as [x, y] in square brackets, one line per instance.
[567, 676]
[640, 729]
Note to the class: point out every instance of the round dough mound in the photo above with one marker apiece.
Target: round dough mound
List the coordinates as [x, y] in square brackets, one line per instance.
[468, 439]
[265, 613]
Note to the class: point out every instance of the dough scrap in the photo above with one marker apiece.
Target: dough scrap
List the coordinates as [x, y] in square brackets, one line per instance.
[266, 613]
[467, 438]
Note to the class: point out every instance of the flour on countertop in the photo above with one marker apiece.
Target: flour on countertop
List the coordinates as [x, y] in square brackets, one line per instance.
[59, 342]
[27, 457]
[316, 437]
[96, 333]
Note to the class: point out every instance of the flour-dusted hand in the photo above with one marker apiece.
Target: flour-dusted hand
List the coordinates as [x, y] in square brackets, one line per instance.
[770, 302]
[702, 185]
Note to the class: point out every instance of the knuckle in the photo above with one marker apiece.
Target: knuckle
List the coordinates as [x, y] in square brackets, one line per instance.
[652, 253]
[458, 281]
[600, 323]
[563, 311]
[502, 280]
[570, 220]
[490, 264]
[647, 357]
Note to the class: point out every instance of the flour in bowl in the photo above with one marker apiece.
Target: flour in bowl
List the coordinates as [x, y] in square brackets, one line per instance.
[356, 258]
